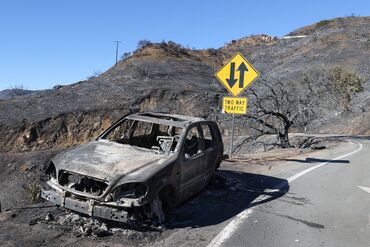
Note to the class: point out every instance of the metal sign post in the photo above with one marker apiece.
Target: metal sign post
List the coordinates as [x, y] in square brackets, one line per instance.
[232, 136]
[233, 105]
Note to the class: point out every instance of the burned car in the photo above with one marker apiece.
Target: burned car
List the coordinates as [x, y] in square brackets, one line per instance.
[142, 165]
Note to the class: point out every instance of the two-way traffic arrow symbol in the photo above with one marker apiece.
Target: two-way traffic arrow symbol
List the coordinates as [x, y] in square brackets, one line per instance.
[242, 69]
[232, 79]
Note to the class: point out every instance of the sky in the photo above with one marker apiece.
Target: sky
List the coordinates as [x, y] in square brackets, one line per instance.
[44, 43]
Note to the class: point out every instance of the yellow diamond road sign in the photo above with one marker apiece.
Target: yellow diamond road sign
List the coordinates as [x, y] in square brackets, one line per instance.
[237, 74]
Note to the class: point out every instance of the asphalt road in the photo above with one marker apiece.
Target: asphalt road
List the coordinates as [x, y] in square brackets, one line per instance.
[324, 201]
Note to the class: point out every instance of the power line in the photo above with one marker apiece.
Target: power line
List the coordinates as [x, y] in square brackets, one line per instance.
[117, 42]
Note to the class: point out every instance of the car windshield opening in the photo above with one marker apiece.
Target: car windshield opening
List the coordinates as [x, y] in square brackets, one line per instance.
[159, 137]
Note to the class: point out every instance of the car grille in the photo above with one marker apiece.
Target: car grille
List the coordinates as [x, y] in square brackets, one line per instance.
[82, 183]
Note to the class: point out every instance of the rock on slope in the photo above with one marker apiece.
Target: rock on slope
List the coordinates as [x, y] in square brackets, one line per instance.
[167, 77]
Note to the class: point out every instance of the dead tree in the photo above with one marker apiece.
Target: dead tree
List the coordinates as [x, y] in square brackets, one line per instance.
[275, 106]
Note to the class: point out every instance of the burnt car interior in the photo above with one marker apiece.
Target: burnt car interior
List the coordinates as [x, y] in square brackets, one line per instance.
[193, 141]
[208, 137]
[159, 137]
[162, 138]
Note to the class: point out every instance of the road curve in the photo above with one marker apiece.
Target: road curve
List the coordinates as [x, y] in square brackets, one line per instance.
[328, 204]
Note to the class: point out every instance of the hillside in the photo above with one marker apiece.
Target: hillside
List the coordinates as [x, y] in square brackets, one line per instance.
[168, 77]
[15, 92]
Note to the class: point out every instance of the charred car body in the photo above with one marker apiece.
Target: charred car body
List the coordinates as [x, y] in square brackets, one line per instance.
[143, 163]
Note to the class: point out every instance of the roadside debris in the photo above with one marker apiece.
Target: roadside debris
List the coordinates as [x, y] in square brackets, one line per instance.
[7, 215]
[49, 217]
[34, 221]
[81, 226]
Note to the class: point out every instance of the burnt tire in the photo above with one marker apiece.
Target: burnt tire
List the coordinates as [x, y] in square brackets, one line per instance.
[165, 195]
[160, 205]
[217, 166]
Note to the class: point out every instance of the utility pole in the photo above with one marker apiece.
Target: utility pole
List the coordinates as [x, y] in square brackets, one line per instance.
[117, 42]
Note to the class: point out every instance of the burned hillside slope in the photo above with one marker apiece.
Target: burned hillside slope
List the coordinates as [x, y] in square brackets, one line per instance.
[167, 77]
[14, 92]
[76, 113]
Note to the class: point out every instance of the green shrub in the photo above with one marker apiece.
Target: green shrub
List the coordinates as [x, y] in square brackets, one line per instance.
[33, 191]
[346, 82]
[94, 75]
[143, 43]
[173, 48]
[212, 51]
[126, 55]
[323, 23]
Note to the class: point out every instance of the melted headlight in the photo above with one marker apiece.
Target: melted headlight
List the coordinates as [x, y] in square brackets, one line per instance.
[51, 171]
[130, 190]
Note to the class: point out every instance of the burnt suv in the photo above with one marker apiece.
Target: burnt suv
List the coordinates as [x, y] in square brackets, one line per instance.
[142, 165]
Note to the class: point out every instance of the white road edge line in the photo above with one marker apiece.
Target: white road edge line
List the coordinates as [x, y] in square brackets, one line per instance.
[300, 174]
[233, 225]
[366, 189]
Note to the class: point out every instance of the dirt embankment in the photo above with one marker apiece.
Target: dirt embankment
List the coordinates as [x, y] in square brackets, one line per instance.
[59, 131]
[74, 128]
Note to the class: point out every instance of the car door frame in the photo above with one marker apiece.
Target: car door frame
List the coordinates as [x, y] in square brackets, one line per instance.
[213, 152]
[191, 170]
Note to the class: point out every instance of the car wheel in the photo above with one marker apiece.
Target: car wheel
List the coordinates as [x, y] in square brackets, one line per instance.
[166, 198]
[157, 211]
[162, 203]
[217, 166]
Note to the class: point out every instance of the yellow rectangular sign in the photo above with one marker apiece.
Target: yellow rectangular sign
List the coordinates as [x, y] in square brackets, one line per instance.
[234, 105]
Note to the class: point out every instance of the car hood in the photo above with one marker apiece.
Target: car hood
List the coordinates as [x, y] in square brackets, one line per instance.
[108, 160]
